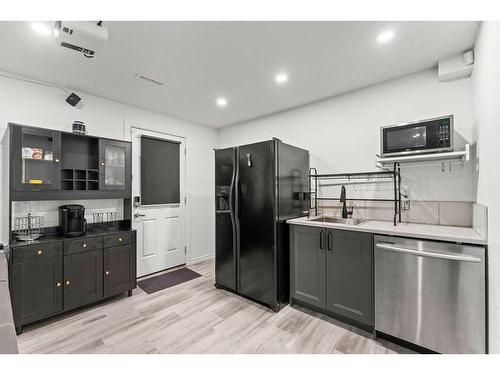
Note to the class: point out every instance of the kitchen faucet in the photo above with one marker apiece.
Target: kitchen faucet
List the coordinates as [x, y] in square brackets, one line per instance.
[345, 212]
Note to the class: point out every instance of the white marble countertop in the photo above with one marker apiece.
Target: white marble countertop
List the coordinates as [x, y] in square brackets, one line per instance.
[424, 231]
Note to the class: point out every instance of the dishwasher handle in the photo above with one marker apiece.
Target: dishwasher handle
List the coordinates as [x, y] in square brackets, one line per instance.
[462, 258]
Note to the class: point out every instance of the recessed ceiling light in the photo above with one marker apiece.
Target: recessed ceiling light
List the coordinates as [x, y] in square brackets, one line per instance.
[221, 102]
[41, 28]
[385, 36]
[281, 78]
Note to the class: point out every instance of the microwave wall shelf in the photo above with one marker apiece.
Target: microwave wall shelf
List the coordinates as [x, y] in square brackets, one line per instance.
[48, 164]
[435, 158]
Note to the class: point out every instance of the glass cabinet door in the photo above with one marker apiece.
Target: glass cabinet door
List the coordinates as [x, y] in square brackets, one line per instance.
[113, 165]
[35, 154]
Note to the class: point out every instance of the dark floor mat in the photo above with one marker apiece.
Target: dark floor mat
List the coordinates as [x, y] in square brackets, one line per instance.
[154, 284]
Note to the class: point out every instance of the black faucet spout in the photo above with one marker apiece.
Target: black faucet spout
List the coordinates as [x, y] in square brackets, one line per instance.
[343, 199]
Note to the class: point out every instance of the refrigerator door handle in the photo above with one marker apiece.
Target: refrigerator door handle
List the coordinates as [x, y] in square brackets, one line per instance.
[231, 206]
[237, 188]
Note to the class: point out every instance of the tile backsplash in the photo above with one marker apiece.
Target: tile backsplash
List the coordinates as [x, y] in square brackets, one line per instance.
[425, 212]
[50, 209]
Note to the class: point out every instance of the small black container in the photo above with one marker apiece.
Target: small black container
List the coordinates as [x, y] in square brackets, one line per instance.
[79, 127]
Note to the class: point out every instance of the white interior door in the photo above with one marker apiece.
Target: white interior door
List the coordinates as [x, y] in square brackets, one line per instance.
[159, 215]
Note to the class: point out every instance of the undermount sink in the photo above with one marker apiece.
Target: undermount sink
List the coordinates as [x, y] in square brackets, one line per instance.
[338, 220]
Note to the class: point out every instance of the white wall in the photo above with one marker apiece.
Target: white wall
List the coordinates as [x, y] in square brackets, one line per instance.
[43, 106]
[486, 94]
[342, 133]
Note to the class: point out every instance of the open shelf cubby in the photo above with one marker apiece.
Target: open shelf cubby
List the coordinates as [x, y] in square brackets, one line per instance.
[79, 179]
[92, 174]
[80, 174]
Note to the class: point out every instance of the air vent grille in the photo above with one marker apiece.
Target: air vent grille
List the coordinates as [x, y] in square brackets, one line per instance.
[149, 79]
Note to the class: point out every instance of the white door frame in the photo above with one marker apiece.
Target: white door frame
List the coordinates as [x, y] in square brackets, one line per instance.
[184, 191]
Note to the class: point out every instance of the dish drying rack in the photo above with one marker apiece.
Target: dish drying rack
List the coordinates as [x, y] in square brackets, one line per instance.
[28, 228]
[353, 178]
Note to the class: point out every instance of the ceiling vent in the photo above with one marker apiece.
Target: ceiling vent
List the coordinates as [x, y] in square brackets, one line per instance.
[149, 79]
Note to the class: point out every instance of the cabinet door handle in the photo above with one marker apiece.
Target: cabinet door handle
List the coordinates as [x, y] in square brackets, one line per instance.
[58, 285]
[321, 240]
[39, 252]
[120, 239]
[84, 245]
[102, 163]
[329, 241]
[57, 160]
[107, 272]
[67, 282]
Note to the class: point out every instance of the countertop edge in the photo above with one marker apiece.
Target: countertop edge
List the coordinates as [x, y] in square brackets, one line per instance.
[362, 228]
[59, 238]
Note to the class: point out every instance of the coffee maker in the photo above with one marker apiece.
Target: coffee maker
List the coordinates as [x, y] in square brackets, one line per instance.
[72, 220]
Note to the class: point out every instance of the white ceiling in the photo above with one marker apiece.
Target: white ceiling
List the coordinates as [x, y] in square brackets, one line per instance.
[199, 61]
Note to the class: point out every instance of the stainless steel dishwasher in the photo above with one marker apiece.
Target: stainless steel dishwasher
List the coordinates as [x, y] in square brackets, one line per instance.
[432, 294]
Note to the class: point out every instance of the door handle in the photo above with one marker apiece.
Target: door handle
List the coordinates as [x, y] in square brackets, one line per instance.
[428, 254]
[136, 215]
[232, 206]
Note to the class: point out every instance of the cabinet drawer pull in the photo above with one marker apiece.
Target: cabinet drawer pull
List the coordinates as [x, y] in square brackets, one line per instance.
[39, 252]
[58, 285]
[67, 282]
[120, 239]
[57, 160]
[84, 245]
[102, 163]
[107, 272]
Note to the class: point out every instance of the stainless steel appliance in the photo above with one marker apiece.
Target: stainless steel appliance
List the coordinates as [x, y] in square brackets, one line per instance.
[258, 187]
[425, 136]
[432, 294]
[72, 220]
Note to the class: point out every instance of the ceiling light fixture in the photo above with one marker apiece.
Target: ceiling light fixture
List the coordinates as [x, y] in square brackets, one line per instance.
[281, 78]
[221, 102]
[41, 28]
[385, 36]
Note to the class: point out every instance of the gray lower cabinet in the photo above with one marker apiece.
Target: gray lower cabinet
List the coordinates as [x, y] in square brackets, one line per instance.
[119, 269]
[349, 275]
[83, 279]
[333, 270]
[36, 287]
[308, 266]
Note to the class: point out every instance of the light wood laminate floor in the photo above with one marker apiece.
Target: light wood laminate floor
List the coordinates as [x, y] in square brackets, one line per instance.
[193, 317]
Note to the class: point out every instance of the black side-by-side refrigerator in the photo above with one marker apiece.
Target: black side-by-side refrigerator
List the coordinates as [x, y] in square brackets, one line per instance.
[258, 187]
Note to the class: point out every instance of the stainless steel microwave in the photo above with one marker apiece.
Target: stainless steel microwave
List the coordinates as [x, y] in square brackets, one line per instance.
[418, 137]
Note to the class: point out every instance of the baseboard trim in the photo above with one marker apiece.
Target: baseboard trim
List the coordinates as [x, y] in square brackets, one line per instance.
[200, 259]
